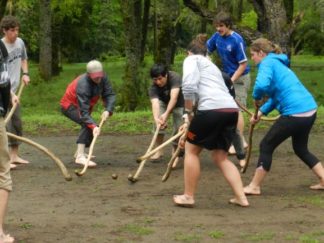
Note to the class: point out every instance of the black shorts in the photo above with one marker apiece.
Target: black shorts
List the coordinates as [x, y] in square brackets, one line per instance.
[213, 129]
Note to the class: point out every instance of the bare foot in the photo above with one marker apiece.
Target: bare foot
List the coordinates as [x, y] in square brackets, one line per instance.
[184, 201]
[12, 166]
[6, 238]
[249, 190]
[319, 186]
[242, 201]
[18, 160]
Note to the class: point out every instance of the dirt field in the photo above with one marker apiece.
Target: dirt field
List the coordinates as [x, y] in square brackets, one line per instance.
[95, 208]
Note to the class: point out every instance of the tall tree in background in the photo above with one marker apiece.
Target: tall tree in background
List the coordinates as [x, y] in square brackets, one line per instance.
[3, 4]
[167, 14]
[130, 93]
[274, 20]
[45, 44]
[145, 21]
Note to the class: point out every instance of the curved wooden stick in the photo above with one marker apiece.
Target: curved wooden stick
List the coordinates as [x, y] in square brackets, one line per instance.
[13, 108]
[85, 167]
[251, 114]
[150, 154]
[249, 150]
[58, 162]
[132, 178]
[173, 158]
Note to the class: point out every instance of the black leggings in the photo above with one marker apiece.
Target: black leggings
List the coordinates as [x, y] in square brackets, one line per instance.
[298, 128]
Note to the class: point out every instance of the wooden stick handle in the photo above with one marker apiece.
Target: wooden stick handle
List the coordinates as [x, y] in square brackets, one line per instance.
[58, 162]
[173, 158]
[86, 165]
[150, 154]
[13, 108]
[251, 114]
[141, 165]
[249, 151]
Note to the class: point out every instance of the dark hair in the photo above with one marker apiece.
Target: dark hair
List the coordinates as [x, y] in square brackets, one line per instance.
[9, 22]
[263, 44]
[198, 45]
[223, 18]
[158, 69]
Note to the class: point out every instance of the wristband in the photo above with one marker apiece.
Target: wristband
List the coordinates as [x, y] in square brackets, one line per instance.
[27, 74]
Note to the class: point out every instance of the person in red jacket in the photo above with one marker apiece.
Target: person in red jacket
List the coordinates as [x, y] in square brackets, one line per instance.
[78, 101]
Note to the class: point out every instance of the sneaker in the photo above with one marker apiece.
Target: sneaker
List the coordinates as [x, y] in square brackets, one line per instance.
[81, 160]
[86, 155]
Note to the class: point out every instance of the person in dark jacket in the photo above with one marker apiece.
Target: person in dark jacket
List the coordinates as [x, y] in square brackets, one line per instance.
[78, 101]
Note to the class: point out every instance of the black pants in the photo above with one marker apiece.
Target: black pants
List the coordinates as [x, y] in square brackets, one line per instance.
[298, 128]
[85, 135]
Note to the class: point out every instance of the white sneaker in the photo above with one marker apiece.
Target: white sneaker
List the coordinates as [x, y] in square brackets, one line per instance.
[86, 155]
[81, 160]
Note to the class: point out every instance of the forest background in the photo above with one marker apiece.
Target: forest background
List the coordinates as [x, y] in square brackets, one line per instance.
[129, 36]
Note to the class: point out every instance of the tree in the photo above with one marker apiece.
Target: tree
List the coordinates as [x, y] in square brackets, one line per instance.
[130, 93]
[45, 47]
[3, 4]
[166, 30]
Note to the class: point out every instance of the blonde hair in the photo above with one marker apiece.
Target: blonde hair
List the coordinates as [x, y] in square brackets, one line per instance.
[198, 45]
[263, 44]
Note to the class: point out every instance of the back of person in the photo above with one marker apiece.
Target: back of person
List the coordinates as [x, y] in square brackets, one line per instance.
[211, 89]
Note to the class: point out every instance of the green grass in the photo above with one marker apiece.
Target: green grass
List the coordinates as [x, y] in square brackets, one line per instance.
[263, 236]
[41, 109]
[136, 230]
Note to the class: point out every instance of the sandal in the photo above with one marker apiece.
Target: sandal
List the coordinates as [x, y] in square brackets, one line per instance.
[184, 201]
[6, 238]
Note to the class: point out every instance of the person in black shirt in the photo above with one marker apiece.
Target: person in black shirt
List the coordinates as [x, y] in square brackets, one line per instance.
[166, 99]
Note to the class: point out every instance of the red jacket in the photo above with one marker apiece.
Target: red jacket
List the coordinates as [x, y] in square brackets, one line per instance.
[83, 94]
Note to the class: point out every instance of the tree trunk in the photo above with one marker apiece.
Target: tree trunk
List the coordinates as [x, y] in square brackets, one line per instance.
[45, 48]
[273, 21]
[131, 90]
[3, 4]
[203, 26]
[166, 29]
[146, 15]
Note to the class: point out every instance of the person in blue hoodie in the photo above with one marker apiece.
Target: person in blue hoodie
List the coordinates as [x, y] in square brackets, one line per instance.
[297, 107]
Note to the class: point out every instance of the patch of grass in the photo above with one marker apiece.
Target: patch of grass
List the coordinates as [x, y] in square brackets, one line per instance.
[259, 236]
[316, 200]
[314, 237]
[187, 237]
[137, 229]
[216, 234]
[26, 226]
[97, 225]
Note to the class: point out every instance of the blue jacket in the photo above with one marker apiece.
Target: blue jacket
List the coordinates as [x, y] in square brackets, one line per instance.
[285, 91]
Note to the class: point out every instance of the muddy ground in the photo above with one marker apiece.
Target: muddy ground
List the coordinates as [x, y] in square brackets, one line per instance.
[95, 208]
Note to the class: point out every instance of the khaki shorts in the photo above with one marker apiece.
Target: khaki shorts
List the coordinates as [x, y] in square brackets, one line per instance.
[242, 86]
[5, 178]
